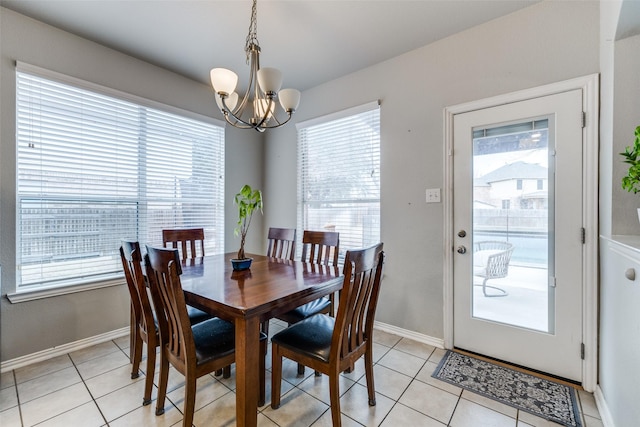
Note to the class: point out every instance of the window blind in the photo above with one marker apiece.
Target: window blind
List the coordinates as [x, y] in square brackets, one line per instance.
[94, 169]
[339, 176]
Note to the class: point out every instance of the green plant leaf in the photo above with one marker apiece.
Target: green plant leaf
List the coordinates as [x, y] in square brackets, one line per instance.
[248, 201]
[631, 182]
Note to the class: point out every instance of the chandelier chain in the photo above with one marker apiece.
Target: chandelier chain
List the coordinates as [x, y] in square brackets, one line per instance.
[252, 37]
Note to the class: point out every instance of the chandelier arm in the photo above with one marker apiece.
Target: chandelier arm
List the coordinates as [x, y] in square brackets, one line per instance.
[247, 125]
[227, 112]
[279, 123]
[242, 124]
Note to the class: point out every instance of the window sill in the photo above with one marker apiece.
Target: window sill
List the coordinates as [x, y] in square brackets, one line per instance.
[30, 295]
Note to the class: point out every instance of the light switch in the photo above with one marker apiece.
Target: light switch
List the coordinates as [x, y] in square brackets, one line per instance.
[433, 195]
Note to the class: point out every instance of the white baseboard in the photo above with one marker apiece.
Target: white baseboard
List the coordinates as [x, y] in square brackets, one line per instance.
[50, 353]
[39, 356]
[405, 333]
[601, 403]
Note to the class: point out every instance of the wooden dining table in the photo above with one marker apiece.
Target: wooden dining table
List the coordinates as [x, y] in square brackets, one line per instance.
[270, 287]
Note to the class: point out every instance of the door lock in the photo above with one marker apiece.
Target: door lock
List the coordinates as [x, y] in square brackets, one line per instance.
[462, 250]
[462, 233]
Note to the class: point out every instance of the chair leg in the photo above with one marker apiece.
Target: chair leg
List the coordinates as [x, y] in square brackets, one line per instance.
[163, 378]
[332, 302]
[226, 371]
[276, 375]
[218, 372]
[151, 367]
[501, 292]
[136, 354]
[334, 398]
[300, 369]
[368, 369]
[189, 398]
[133, 325]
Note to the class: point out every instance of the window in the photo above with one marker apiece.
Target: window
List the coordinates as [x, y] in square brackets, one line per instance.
[95, 168]
[339, 176]
[539, 184]
[519, 184]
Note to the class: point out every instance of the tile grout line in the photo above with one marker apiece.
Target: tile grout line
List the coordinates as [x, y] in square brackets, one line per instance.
[106, 423]
[415, 378]
[15, 384]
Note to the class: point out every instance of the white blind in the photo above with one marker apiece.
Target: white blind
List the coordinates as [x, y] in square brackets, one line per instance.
[94, 169]
[339, 177]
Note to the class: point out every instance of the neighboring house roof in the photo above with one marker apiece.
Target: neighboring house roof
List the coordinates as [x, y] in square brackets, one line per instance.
[480, 182]
[542, 194]
[479, 204]
[516, 170]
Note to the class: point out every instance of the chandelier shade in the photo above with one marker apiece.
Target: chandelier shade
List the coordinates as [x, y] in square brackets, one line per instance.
[256, 109]
[270, 80]
[289, 99]
[223, 80]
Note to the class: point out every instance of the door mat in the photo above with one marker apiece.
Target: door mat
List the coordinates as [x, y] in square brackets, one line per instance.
[538, 396]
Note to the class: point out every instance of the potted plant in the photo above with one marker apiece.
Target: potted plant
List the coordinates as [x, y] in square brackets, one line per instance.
[248, 201]
[631, 182]
[631, 154]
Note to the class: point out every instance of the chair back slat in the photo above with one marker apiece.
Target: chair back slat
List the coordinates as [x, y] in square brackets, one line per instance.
[131, 257]
[358, 300]
[320, 247]
[282, 243]
[189, 241]
[163, 272]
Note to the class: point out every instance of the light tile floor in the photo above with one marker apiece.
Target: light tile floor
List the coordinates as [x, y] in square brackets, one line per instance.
[92, 387]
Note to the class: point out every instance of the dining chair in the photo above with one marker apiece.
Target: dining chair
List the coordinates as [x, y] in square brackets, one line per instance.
[143, 323]
[193, 350]
[318, 247]
[189, 241]
[281, 243]
[143, 317]
[333, 345]
[190, 244]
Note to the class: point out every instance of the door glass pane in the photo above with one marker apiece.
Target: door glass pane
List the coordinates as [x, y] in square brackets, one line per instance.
[512, 204]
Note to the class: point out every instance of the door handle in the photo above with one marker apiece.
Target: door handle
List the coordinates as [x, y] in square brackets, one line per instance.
[462, 249]
[630, 274]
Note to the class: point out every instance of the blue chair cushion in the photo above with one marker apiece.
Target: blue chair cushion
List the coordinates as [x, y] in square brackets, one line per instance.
[196, 316]
[311, 336]
[319, 305]
[214, 338]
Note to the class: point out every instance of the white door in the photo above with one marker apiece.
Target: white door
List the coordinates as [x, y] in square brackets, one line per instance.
[518, 233]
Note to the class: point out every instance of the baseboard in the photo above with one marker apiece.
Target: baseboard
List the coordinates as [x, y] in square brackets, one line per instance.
[40, 356]
[50, 353]
[405, 333]
[603, 409]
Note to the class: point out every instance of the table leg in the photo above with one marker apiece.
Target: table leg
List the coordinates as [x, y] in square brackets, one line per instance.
[247, 379]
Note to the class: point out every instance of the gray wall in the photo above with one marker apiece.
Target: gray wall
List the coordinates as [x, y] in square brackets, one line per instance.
[626, 116]
[545, 43]
[29, 327]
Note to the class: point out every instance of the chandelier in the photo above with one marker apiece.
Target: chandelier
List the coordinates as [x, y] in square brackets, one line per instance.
[257, 108]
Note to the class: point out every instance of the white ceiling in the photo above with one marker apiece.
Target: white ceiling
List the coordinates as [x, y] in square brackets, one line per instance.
[311, 41]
